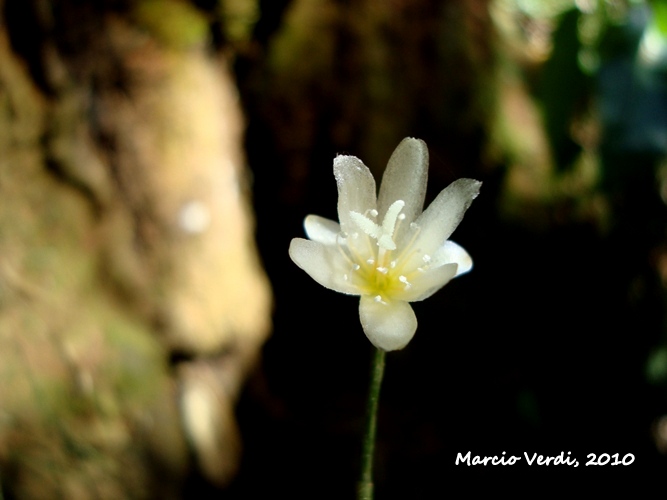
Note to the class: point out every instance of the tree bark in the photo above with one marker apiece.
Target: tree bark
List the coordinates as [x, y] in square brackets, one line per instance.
[132, 301]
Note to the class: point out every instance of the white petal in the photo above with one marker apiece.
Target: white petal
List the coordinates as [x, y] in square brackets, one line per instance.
[405, 178]
[323, 263]
[439, 220]
[427, 283]
[389, 326]
[322, 230]
[450, 252]
[356, 189]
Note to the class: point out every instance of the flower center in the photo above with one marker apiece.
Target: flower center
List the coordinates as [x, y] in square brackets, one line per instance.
[377, 264]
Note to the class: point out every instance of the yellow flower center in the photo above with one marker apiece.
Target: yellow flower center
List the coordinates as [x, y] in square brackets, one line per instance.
[377, 265]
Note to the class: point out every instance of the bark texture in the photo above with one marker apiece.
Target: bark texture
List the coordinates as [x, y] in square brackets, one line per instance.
[132, 301]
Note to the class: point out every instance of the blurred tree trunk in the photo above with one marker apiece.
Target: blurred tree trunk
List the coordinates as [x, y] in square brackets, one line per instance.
[132, 302]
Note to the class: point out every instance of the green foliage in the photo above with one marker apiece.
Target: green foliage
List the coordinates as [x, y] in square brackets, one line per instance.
[659, 8]
[563, 89]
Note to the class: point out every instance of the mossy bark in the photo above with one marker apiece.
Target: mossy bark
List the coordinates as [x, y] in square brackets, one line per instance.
[125, 242]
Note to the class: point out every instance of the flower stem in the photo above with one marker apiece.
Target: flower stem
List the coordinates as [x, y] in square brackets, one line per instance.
[365, 487]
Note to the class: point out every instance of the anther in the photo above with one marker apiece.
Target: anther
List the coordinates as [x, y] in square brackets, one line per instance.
[382, 270]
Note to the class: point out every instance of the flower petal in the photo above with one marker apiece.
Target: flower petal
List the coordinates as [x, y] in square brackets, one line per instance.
[439, 220]
[450, 252]
[356, 189]
[322, 230]
[388, 325]
[428, 282]
[323, 263]
[405, 179]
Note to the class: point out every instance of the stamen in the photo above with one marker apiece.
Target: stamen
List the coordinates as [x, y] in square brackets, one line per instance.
[392, 264]
[401, 218]
[377, 298]
[348, 253]
[405, 281]
[370, 262]
[382, 270]
[402, 258]
[427, 261]
[344, 250]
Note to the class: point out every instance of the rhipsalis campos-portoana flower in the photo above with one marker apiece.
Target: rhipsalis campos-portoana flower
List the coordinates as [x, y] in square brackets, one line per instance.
[384, 248]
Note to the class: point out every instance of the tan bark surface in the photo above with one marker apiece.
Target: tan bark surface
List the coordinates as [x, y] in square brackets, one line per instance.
[125, 236]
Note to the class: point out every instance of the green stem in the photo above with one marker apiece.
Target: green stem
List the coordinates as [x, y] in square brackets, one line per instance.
[365, 488]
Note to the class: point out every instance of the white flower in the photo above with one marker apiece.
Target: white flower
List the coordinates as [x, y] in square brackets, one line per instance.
[385, 249]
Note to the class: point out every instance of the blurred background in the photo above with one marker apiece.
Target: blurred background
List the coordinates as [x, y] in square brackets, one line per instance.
[156, 159]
